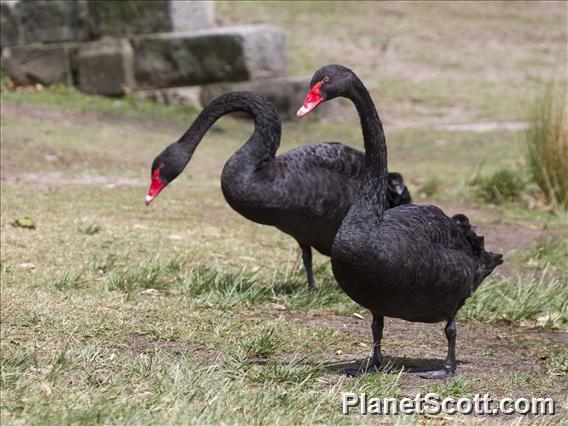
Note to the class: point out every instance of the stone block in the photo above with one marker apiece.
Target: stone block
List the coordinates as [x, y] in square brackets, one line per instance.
[48, 21]
[287, 94]
[130, 17]
[43, 64]
[106, 67]
[224, 54]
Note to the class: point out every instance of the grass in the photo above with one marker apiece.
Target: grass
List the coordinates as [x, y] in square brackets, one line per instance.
[456, 387]
[185, 312]
[70, 98]
[558, 363]
[539, 301]
[261, 347]
[431, 187]
[501, 186]
[66, 280]
[89, 228]
[139, 387]
[545, 252]
[547, 144]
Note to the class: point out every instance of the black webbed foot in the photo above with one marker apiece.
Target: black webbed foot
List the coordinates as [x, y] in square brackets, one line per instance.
[434, 374]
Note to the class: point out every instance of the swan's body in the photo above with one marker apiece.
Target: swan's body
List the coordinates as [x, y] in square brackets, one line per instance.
[416, 264]
[411, 262]
[305, 192]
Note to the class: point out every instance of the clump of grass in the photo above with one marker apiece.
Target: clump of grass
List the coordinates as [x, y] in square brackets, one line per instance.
[243, 363]
[558, 363]
[154, 275]
[547, 145]
[89, 228]
[547, 251]
[209, 286]
[298, 371]
[503, 185]
[261, 347]
[431, 187]
[542, 300]
[380, 383]
[227, 289]
[456, 387]
[103, 264]
[68, 279]
[522, 378]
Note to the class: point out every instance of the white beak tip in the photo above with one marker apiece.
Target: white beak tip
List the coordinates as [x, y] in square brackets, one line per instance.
[302, 111]
[148, 199]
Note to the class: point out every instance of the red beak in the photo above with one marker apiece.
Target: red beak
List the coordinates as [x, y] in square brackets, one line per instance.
[155, 187]
[313, 99]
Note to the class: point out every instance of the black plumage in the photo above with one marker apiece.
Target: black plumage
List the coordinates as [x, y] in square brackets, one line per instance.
[305, 192]
[411, 262]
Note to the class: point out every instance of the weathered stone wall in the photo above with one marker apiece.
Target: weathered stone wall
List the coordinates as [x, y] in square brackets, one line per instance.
[166, 51]
[40, 21]
[152, 61]
[49, 21]
[120, 18]
[225, 54]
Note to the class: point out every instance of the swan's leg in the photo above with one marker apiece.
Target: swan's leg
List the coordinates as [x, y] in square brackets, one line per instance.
[377, 329]
[451, 334]
[307, 258]
[450, 365]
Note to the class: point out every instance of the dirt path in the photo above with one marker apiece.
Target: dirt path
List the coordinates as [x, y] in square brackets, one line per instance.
[504, 360]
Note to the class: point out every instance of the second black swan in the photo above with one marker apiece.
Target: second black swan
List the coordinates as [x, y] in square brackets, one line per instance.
[305, 192]
[411, 262]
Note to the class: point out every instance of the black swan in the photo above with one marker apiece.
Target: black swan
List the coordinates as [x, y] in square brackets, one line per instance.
[305, 192]
[411, 262]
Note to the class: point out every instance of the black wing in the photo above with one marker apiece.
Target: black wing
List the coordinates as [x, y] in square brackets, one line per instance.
[348, 162]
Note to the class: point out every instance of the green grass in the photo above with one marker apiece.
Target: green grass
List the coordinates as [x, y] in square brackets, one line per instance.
[546, 251]
[501, 186]
[540, 301]
[456, 387]
[558, 363]
[61, 96]
[547, 144]
[139, 389]
[66, 280]
[89, 228]
[431, 187]
[261, 347]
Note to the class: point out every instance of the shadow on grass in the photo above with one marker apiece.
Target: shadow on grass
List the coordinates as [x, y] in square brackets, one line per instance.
[391, 365]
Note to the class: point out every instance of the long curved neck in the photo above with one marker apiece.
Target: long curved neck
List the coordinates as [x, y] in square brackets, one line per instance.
[373, 190]
[263, 143]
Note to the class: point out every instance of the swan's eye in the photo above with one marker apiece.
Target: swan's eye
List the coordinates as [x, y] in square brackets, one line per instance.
[326, 79]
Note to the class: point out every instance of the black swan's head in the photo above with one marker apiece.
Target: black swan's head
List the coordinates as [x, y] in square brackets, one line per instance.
[328, 82]
[166, 167]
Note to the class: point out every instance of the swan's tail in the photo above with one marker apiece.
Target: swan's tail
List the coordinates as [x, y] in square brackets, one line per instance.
[487, 261]
[397, 192]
